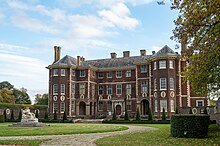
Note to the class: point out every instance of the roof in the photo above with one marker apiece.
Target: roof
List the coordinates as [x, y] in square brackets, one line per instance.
[166, 51]
[67, 60]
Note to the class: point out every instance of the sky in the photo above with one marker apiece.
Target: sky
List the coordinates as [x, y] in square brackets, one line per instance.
[29, 29]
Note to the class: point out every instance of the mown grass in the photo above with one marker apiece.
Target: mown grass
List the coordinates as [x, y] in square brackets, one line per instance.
[22, 142]
[56, 129]
[160, 137]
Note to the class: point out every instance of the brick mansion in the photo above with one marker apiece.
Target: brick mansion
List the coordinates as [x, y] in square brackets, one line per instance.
[94, 88]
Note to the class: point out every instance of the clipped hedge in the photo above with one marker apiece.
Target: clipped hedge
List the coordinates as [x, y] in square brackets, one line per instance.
[2, 118]
[189, 125]
[19, 106]
[135, 122]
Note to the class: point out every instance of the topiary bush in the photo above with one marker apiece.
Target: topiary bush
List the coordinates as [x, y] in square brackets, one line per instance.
[164, 115]
[36, 114]
[150, 118]
[126, 118]
[55, 115]
[12, 114]
[189, 125]
[190, 110]
[64, 116]
[20, 116]
[5, 115]
[114, 115]
[2, 118]
[138, 117]
[46, 116]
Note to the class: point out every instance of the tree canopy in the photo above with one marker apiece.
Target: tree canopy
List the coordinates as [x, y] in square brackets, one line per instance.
[198, 30]
[41, 99]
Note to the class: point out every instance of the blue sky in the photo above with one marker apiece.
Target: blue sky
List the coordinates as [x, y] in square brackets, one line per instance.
[90, 28]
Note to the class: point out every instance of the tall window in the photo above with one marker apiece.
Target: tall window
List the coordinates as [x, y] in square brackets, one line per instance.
[73, 72]
[171, 84]
[162, 64]
[62, 107]
[199, 102]
[155, 65]
[163, 104]
[128, 73]
[73, 106]
[163, 83]
[62, 72]
[62, 89]
[155, 84]
[93, 73]
[55, 107]
[55, 89]
[100, 75]
[143, 68]
[118, 89]
[144, 86]
[100, 89]
[81, 89]
[55, 72]
[73, 91]
[172, 105]
[109, 89]
[155, 105]
[93, 90]
[82, 73]
[118, 74]
[109, 74]
[128, 89]
[171, 64]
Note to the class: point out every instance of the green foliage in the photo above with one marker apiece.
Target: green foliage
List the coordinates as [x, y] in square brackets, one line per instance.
[36, 114]
[41, 99]
[193, 126]
[164, 115]
[138, 117]
[6, 84]
[64, 116]
[126, 118]
[205, 111]
[190, 110]
[150, 118]
[5, 115]
[6, 96]
[46, 117]
[2, 118]
[20, 116]
[198, 27]
[21, 96]
[23, 106]
[12, 114]
[114, 115]
[55, 115]
[135, 122]
[177, 110]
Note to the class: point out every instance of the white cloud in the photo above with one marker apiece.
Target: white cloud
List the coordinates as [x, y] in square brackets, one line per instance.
[15, 4]
[76, 3]
[139, 2]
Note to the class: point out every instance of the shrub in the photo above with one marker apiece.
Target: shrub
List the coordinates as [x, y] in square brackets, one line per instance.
[20, 116]
[114, 115]
[2, 118]
[64, 116]
[126, 118]
[55, 115]
[23, 106]
[150, 118]
[46, 117]
[189, 125]
[205, 111]
[190, 110]
[138, 117]
[12, 114]
[164, 115]
[5, 115]
[177, 110]
[36, 114]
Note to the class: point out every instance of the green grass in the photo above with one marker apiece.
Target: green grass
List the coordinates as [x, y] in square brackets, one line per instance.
[160, 137]
[56, 129]
[22, 142]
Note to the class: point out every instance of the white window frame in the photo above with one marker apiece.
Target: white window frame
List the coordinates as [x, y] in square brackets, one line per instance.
[73, 90]
[171, 64]
[118, 89]
[155, 84]
[197, 103]
[155, 65]
[81, 89]
[100, 90]
[100, 75]
[171, 83]
[73, 72]
[62, 107]
[55, 89]
[109, 89]
[144, 86]
[55, 108]
[63, 73]
[82, 73]
[55, 72]
[128, 89]
[163, 104]
[73, 106]
[155, 106]
[143, 68]
[109, 74]
[162, 64]
[163, 86]
[128, 73]
[118, 74]
[93, 90]
[172, 105]
[62, 89]
[93, 73]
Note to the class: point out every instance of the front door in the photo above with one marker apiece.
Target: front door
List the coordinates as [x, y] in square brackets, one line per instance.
[118, 109]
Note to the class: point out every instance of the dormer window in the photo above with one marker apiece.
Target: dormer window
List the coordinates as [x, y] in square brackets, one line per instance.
[143, 68]
[55, 72]
[82, 73]
[62, 72]
[162, 64]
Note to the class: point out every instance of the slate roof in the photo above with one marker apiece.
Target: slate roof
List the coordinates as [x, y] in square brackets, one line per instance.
[166, 51]
[67, 60]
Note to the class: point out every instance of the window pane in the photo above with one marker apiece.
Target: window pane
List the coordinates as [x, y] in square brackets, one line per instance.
[162, 64]
[171, 64]
[143, 68]
[144, 86]
[163, 104]
[109, 74]
[62, 72]
[128, 73]
[118, 90]
[118, 74]
[128, 89]
[62, 88]
[163, 83]
[55, 72]
[171, 83]
[55, 89]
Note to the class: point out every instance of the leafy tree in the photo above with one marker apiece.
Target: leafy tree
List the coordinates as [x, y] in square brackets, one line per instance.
[126, 118]
[64, 116]
[164, 115]
[55, 115]
[198, 30]
[20, 115]
[36, 114]
[21, 96]
[138, 117]
[41, 99]
[114, 115]
[150, 118]
[12, 114]
[6, 96]
[6, 84]
[46, 117]
[190, 110]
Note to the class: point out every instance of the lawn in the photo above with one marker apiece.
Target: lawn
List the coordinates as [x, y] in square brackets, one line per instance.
[55, 129]
[160, 137]
[22, 142]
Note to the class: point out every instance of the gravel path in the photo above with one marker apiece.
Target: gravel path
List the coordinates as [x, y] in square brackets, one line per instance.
[79, 139]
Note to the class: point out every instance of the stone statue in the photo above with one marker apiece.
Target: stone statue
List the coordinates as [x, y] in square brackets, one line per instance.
[27, 116]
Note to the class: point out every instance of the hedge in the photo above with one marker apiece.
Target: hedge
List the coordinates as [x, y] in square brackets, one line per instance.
[2, 118]
[135, 122]
[19, 106]
[189, 125]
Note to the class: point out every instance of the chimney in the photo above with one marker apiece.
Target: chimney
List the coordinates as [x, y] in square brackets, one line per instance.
[57, 50]
[126, 54]
[113, 55]
[82, 58]
[153, 52]
[143, 52]
[78, 60]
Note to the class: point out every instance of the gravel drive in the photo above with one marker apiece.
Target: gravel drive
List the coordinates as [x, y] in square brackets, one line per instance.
[79, 139]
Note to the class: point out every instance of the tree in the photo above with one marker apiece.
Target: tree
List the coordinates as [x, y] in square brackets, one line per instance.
[55, 115]
[41, 99]
[126, 118]
[198, 30]
[46, 117]
[6, 96]
[12, 114]
[5, 115]
[164, 115]
[138, 117]
[6, 84]
[21, 96]
[64, 116]
[114, 115]
[20, 115]
[150, 118]
[37, 114]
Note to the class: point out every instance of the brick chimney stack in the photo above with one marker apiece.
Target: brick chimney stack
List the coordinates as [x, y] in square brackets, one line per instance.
[78, 61]
[143, 52]
[57, 50]
[126, 54]
[113, 55]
